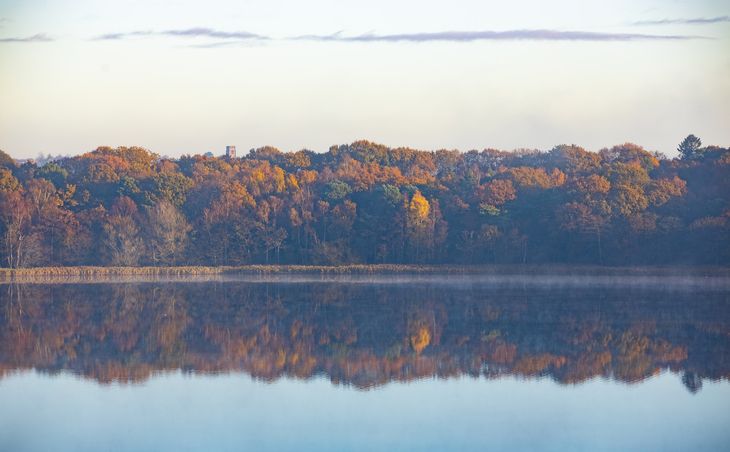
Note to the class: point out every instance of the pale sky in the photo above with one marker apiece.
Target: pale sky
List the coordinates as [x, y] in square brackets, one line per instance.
[189, 77]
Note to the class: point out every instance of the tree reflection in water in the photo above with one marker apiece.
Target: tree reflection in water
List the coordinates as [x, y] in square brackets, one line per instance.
[364, 335]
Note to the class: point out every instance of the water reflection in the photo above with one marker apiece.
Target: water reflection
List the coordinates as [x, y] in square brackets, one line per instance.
[364, 335]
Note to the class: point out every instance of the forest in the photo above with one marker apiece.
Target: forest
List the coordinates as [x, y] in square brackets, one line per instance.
[366, 203]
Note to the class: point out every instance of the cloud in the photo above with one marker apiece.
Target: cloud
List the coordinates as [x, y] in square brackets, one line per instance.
[115, 36]
[207, 32]
[197, 32]
[695, 21]
[510, 35]
[225, 38]
[41, 37]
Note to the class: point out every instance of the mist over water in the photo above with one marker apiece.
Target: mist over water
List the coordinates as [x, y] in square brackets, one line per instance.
[545, 277]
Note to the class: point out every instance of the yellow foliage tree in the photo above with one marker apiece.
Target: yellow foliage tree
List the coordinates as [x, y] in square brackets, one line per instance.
[419, 206]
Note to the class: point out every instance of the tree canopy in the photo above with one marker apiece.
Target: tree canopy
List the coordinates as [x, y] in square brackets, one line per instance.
[368, 203]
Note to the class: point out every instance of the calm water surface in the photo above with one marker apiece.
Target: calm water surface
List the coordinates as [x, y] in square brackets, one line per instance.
[366, 363]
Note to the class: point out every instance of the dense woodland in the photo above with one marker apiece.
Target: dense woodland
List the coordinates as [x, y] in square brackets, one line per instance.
[367, 203]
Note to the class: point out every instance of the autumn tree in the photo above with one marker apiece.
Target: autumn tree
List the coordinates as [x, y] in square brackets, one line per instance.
[425, 227]
[21, 244]
[168, 231]
[5, 160]
[124, 246]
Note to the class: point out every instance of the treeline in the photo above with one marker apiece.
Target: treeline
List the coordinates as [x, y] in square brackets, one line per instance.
[367, 203]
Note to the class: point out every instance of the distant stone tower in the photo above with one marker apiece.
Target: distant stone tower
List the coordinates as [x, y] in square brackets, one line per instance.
[231, 152]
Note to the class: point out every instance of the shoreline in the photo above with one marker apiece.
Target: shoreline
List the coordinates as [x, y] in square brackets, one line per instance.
[91, 272]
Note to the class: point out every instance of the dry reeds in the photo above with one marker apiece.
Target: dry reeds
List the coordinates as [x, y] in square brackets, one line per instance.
[89, 272]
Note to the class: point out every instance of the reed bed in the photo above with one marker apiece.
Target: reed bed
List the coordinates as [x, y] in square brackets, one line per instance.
[91, 271]
[88, 272]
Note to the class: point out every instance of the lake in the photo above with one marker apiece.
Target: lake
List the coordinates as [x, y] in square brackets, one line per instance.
[430, 362]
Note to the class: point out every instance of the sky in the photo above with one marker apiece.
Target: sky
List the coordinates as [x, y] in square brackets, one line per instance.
[182, 77]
